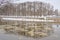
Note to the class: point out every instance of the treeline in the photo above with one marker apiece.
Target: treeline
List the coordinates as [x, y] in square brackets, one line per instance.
[28, 8]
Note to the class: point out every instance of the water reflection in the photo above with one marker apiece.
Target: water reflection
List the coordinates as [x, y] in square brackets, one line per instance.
[56, 27]
[7, 36]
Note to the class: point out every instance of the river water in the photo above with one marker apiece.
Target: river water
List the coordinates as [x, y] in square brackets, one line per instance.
[54, 36]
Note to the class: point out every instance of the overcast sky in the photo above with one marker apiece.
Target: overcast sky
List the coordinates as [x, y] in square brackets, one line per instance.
[55, 3]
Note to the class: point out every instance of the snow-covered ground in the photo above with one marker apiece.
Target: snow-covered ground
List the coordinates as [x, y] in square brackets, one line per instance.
[27, 19]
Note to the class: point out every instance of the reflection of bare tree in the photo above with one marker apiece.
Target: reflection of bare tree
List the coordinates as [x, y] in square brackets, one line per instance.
[30, 29]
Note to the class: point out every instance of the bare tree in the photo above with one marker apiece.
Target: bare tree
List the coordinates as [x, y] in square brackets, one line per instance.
[56, 12]
[28, 8]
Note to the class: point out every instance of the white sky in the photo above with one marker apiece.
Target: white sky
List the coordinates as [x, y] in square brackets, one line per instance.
[55, 3]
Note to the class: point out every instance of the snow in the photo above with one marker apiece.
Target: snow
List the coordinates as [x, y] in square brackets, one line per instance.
[25, 19]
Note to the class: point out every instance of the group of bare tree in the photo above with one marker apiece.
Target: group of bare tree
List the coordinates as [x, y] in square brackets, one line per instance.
[28, 8]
